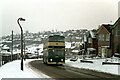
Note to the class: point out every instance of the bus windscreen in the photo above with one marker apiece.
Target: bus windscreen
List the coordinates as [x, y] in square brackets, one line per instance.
[56, 38]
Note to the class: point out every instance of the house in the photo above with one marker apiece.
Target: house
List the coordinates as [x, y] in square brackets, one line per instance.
[6, 54]
[116, 38]
[92, 43]
[104, 35]
[84, 43]
[89, 43]
[75, 48]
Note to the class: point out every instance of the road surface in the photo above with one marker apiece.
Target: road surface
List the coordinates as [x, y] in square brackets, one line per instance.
[67, 72]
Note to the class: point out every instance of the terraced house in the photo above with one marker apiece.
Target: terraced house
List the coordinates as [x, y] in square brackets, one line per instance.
[92, 43]
[104, 35]
[116, 38]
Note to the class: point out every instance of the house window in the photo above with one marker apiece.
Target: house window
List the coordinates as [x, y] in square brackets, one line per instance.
[107, 37]
[117, 32]
[89, 40]
[101, 37]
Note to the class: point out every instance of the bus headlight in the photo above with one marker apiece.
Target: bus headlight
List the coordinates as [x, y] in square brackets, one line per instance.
[61, 59]
[50, 59]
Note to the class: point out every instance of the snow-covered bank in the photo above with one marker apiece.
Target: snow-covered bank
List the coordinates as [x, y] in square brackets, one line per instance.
[96, 65]
[12, 70]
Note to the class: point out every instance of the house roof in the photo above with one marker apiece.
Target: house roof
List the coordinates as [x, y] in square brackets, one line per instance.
[91, 49]
[75, 51]
[108, 27]
[118, 20]
[93, 33]
[85, 38]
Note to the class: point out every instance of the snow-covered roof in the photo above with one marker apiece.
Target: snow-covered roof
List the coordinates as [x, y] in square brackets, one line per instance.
[67, 44]
[76, 51]
[1, 45]
[93, 34]
[85, 38]
[106, 24]
[72, 47]
[78, 37]
[5, 47]
[73, 42]
[91, 49]
[8, 41]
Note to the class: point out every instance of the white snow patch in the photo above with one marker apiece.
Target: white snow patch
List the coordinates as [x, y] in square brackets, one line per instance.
[12, 70]
[67, 45]
[97, 65]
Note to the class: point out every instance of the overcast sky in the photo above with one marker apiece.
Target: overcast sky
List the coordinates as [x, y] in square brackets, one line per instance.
[44, 15]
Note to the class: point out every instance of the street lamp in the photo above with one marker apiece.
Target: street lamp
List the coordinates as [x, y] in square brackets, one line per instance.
[21, 19]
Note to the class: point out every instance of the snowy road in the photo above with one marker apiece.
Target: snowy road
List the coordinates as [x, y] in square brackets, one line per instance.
[67, 72]
[57, 72]
[12, 70]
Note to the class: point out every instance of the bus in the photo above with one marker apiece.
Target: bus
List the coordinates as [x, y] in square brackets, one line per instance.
[54, 50]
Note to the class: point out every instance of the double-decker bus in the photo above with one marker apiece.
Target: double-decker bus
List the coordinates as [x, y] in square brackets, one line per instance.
[54, 50]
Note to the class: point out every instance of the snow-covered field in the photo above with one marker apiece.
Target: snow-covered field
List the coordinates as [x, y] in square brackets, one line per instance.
[12, 70]
[97, 65]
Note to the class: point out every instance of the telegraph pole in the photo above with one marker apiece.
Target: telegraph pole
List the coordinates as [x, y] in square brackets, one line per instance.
[24, 50]
[12, 47]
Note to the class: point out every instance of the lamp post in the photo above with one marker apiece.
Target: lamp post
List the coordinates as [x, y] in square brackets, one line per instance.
[21, 19]
[0, 57]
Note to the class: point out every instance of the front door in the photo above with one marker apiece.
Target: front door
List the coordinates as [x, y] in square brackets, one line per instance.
[104, 52]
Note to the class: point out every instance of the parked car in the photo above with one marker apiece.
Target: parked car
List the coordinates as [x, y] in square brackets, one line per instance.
[31, 56]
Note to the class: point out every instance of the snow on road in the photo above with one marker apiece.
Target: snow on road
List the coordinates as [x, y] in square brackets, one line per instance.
[12, 70]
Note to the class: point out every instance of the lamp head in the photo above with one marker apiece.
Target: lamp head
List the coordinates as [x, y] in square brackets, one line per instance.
[21, 19]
